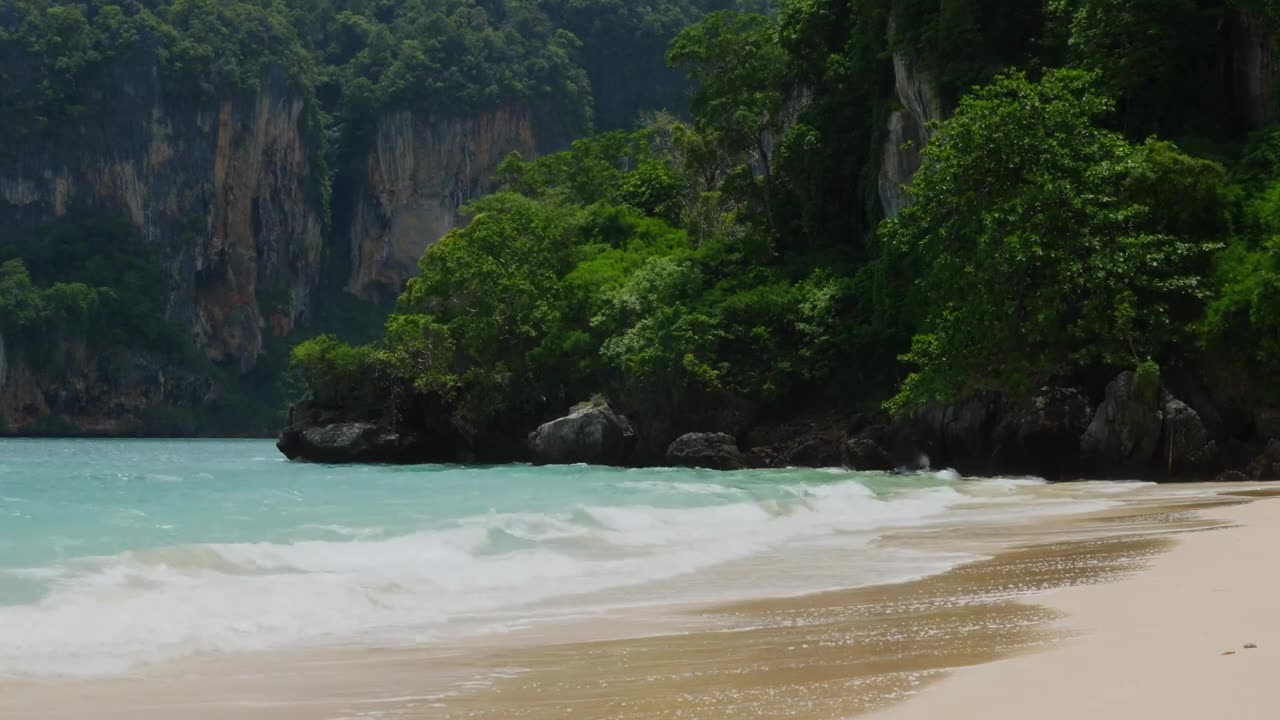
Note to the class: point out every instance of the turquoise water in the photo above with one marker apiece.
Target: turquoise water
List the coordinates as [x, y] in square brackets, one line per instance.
[118, 553]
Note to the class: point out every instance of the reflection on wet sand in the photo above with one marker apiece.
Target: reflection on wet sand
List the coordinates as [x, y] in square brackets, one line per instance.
[831, 655]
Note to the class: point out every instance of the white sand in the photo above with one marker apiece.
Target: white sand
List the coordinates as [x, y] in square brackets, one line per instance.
[1153, 644]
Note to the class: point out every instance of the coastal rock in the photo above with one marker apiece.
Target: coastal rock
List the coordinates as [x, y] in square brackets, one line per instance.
[348, 442]
[591, 433]
[1041, 435]
[1266, 422]
[1126, 428]
[1186, 441]
[1231, 476]
[957, 435]
[823, 449]
[715, 451]
[862, 453]
[812, 440]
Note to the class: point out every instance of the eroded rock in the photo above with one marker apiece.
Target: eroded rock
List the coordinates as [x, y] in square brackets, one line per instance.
[591, 434]
[715, 451]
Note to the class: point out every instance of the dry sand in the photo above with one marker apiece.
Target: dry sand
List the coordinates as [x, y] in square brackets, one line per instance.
[1167, 643]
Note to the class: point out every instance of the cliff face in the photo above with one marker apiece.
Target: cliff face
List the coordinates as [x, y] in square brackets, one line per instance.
[917, 104]
[419, 172]
[219, 189]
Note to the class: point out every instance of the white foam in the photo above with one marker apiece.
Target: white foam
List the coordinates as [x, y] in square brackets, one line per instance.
[478, 574]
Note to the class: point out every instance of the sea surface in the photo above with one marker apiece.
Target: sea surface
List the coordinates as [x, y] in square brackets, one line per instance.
[115, 555]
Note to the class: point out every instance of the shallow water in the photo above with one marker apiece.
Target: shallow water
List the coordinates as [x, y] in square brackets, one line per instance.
[118, 554]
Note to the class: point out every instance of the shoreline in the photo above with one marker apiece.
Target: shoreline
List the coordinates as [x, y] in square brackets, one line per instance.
[830, 655]
[1168, 642]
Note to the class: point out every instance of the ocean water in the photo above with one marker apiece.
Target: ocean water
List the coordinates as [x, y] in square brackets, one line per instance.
[117, 554]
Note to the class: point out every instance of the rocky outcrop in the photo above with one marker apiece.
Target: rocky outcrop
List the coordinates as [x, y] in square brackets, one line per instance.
[1266, 423]
[813, 440]
[590, 433]
[90, 394]
[218, 187]
[715, 451]
[1125, 430]
[918, 104]
[1186, 443]
[351, 442]
[1041, 435]
[420, 171]
[862, 453]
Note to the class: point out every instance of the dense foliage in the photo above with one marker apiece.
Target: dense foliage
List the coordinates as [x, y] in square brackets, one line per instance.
[1103, 192]
[1093, 202]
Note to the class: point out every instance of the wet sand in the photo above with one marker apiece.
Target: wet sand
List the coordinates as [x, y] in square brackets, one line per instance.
[831, 655]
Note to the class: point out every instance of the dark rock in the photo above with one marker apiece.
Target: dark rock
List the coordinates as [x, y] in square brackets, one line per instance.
[1041, 435]
[1231, 476]
[862, 453]
[1125, 430]
[1262, 468]
[1186, 441]
[350, 442]
[591, 433]
[1266, 423]
[822, 449]
[762, 457]
[715, 451]
[815, 440]
[957, 435]
[1272, 452]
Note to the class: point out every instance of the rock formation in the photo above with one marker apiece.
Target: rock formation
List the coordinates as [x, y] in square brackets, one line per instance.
[591, 433]
[419, 173]
[715, 451]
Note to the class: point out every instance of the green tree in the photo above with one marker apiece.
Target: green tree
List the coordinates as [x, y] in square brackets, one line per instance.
[1043, 242]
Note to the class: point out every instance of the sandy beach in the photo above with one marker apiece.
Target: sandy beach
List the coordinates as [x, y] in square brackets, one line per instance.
[1140, 611]
[1169, 642]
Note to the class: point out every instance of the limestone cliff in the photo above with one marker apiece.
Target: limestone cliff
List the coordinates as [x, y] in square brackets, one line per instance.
[917, 104]
[219, 187]
[418, 174]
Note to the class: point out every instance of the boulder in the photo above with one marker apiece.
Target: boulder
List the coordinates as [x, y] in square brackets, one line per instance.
[349, 442]
[1231, 476]
[1126, 428]
[958, 435]
[762, 457]
[591, 433]
[862, 453]
[1186, 440]
[714, 451]
[1266, 422]
[819, 450]
[1262, 468]
[1272, 452]
[1042, 434]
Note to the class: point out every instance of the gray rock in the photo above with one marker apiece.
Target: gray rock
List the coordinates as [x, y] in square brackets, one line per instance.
[1231, 476]
[344, 442]
[591, 433]
[862, 453]
[715, 451]
[1126, 428]
[1186, 441]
